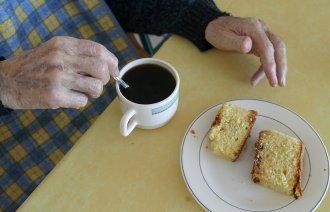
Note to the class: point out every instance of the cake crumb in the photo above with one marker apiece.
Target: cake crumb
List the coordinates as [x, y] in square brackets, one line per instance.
[192, 131]
[187, 199]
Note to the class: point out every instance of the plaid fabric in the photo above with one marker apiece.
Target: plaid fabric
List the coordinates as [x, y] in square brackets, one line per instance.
[32, 142]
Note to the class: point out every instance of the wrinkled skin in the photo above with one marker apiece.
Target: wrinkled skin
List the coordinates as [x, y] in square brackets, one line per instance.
[62, 72]
[251, 35]
[65, 71]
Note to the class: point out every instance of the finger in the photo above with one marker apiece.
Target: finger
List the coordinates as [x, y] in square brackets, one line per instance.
[93, 49]
[280, 57]
[64, 98]
[230, 41]
[113, 67]
[257, 76]
[266, 51]
[89, 66]
[73, 46]
[73, 99]
[87, 85]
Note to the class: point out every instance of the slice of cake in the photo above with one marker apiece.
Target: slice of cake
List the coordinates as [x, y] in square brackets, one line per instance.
[278, 162]
[230, 130]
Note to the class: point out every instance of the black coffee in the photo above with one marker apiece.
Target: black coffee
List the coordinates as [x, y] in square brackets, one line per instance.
[148, 83]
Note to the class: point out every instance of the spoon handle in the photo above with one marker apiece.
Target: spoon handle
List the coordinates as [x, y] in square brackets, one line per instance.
[121, 82]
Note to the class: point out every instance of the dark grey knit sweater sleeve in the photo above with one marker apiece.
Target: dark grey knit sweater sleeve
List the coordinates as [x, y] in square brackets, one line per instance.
[188, 18]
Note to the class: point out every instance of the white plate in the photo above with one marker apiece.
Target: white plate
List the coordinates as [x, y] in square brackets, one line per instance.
[221, 185]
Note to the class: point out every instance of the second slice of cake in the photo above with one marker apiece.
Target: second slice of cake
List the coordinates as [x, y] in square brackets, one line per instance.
[278, 162]
[230, 130]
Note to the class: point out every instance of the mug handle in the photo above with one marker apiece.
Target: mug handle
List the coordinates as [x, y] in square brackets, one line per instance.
[127, 124]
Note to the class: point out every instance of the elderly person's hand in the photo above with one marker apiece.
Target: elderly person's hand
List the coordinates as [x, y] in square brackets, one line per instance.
[250, 35]
[62, 72]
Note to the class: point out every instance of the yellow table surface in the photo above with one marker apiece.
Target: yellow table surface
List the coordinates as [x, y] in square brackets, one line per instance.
[107, 172]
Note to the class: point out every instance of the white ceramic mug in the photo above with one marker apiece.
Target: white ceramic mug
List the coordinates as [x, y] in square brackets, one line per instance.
[147, 116]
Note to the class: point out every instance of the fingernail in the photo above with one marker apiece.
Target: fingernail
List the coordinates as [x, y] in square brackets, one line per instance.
[283, 82]
[274, 83]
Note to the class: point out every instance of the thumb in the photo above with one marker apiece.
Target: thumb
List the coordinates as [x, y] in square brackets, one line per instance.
[230, 41]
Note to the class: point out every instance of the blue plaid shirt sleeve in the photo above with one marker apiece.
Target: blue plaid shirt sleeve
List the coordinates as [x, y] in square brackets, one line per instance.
[32, 142]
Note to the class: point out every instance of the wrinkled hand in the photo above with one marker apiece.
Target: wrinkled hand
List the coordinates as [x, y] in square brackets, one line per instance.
[250, 35]
[62, 72]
